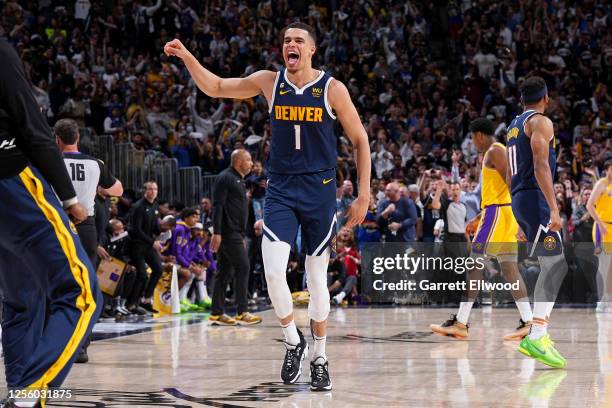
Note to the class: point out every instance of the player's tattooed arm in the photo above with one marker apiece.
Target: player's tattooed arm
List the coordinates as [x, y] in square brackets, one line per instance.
[260, 82]
[541, 134]
[340, 101]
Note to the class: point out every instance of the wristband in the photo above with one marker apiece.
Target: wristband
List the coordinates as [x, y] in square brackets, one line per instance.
[70, 202]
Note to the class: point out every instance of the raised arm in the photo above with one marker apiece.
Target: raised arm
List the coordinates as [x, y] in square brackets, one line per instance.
[340, 102]
[260, 82]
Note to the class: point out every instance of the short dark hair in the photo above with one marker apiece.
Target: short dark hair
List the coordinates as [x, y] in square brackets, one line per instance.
[188, 212]
[67, 130]
[483, 125]
[302, 26]
[532, 89]
[607, 164]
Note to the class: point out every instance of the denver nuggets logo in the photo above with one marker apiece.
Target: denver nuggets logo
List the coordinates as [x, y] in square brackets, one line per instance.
[513, 133]
[550, 243]
[73, 228]
[317, 92]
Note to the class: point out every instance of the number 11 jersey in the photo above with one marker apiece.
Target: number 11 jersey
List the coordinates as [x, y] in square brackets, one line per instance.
[520, 155]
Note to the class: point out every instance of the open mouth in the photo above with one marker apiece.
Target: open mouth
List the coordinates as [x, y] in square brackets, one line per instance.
[293, 57]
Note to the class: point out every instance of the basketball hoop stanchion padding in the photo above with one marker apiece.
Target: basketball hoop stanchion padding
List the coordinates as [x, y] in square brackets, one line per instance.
[166, 293]
[174, 291]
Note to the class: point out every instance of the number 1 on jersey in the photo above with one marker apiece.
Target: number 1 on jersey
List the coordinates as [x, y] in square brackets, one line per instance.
[512, 160]
[298, 138]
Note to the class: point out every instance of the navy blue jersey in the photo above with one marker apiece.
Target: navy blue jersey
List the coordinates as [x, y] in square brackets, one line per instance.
[302, 123]
[520, 155]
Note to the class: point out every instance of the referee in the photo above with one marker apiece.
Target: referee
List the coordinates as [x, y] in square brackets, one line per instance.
[86, 173]
[230, 213]
[50, 293]
[454, 213]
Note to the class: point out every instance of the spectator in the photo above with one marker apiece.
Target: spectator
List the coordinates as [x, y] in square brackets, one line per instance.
[397, 216]
[414, 195]
[416, 95]
[184, 152]
[582, 220]
[348, 254]
[257, 283]
[470, 197]
[368, 230]
[257, 182]
[206, 212]
[118, 246]
[336, 277]
[345, 201]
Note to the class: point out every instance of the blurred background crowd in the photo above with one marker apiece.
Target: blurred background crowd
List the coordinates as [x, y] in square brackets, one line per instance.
[418, 72]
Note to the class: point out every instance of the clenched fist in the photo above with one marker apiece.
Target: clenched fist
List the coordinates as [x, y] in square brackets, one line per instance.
[175, 48]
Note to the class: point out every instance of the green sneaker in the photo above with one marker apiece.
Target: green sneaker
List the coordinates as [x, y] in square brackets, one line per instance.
[543, 350]
[188, 307]
[555, 351]
[205, 304]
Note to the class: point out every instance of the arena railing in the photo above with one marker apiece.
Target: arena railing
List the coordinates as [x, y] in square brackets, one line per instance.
[134, 167]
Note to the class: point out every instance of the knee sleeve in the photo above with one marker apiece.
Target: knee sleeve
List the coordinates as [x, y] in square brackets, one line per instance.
[552, 272]
[316, 279]
[275, 258]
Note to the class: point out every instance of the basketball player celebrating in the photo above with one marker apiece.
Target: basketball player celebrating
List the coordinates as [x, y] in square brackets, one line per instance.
[600, 208]
[304, 104]
[531, 167]
[495, 235]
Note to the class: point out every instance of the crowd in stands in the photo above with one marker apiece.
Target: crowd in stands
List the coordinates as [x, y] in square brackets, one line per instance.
[418, 72]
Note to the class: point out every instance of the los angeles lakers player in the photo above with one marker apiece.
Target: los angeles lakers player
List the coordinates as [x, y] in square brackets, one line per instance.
[600, 208]
[495, 235]
[304, 103]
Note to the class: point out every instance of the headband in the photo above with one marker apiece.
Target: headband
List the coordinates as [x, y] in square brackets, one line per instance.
[536, 96]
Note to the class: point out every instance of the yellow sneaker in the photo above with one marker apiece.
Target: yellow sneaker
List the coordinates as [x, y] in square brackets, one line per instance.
[452, 328]
[221, 320]
[247, 319]
[521, 331]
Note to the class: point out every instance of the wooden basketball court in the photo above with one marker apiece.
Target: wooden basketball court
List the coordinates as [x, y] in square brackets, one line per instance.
[379, 357]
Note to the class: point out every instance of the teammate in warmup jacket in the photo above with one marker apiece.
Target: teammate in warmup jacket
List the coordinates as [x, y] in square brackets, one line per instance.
[43, 266]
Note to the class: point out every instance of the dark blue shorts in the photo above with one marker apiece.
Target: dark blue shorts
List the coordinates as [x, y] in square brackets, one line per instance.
[306, 200]
[532, 214]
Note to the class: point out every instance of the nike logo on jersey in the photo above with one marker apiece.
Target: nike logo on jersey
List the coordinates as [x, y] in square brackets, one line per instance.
[298, 113]
[327, 181]
[285, 92]
[8, 144]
